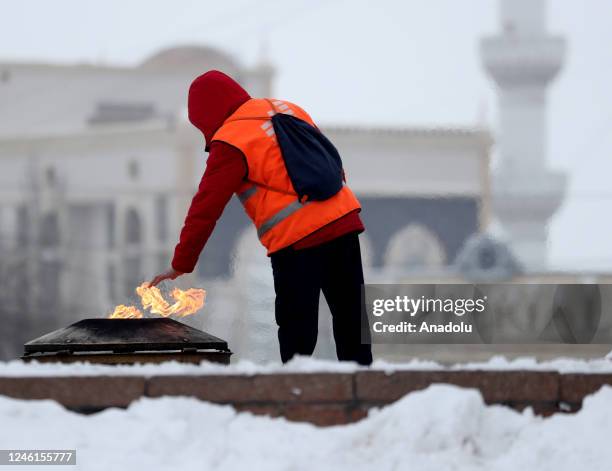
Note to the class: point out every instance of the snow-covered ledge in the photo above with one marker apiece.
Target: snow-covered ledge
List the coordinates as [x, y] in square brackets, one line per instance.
[310, 390]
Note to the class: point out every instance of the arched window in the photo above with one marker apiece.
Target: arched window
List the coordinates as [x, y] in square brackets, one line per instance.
[161, 217]
[49, 231]
[23, 226]
[133, 227]
[50, 176]
[132, 258]
[133, 169]
[50, 264]
[415, 247]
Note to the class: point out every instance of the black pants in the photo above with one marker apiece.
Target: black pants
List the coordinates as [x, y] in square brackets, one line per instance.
[299, 277]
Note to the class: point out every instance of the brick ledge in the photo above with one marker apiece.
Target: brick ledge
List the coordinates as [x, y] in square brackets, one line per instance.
[319, 398]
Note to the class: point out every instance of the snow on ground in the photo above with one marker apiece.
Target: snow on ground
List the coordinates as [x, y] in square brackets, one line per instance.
[298, 365]
[440, 428]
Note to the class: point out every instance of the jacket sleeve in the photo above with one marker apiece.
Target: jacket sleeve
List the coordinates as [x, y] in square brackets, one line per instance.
[225, 171]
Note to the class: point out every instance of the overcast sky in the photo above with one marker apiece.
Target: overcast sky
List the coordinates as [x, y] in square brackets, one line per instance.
[395, 62]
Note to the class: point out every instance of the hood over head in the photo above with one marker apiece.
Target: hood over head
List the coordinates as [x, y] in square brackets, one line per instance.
[213, 97]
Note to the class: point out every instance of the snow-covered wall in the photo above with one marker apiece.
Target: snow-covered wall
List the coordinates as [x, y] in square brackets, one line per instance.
[318, 392]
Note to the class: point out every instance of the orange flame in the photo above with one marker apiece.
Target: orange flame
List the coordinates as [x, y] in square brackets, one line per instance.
[126, 312]
[186, 303]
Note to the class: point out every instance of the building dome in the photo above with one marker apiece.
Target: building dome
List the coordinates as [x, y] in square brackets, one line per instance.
[200, 58]
[484, 257]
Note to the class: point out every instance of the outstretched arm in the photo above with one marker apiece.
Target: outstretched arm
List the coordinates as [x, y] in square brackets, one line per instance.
[225, 170]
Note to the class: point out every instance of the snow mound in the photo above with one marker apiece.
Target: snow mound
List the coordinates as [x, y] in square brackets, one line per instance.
[441, 427]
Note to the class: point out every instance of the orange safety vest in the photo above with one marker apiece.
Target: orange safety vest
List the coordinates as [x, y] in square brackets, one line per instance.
[267, 194]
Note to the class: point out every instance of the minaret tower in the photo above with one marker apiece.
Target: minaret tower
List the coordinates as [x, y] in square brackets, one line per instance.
[522, 60]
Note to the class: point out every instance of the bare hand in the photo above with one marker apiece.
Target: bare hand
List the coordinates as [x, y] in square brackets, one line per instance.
[170, 274]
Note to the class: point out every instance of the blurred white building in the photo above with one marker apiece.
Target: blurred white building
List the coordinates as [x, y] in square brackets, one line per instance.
[98, 164]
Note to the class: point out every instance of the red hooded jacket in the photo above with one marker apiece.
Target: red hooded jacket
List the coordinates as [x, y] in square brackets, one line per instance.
[213, 97]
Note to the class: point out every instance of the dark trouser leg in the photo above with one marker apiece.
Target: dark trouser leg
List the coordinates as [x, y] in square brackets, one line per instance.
[297, 286]
[342, 282]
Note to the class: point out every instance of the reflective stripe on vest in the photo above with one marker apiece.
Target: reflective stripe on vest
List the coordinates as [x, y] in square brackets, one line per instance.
[246, 194]
[279, 217]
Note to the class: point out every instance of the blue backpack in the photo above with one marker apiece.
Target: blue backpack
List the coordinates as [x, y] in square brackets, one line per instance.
[313, 164]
